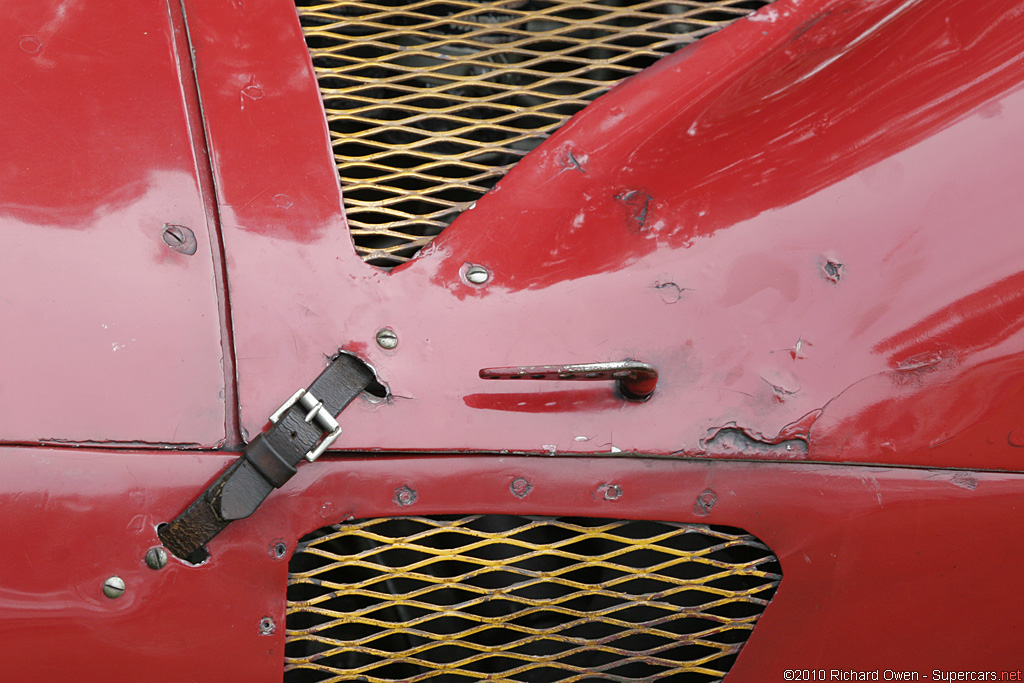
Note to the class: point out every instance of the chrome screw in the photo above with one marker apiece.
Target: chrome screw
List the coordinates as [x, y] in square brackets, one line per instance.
[478, 275]
[113, 587]
[386, 338]
[156, 558]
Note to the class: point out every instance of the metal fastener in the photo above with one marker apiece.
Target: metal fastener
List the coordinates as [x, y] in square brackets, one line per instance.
[386, 338]
[478, 275]
[156, 558]
[520, 487]
[405, 496]
[705, 501]
[113, 587]
[267, 626]
[180, 239]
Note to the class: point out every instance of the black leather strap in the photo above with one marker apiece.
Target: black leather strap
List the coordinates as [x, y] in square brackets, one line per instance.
[269, 460]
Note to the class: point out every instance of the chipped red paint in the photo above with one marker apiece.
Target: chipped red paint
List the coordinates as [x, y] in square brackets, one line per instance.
[808, 223]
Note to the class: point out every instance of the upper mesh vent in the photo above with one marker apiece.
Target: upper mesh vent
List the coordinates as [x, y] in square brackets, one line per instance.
[430, 103]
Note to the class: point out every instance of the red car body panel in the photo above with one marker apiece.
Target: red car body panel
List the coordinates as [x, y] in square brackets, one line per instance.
[109, 335]
[712, 193]
[882, 568]
[809, 223]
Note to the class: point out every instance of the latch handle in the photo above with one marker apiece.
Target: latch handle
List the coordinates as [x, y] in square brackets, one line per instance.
[636, 380]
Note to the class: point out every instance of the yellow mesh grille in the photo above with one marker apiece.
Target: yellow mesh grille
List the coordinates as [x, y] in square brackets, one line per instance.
[430, 103]
[523, 599]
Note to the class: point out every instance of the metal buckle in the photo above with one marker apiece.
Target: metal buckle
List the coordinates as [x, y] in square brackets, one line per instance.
[316, 411]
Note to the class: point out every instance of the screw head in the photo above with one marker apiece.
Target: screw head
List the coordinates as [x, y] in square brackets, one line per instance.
[156, 558]
[180, 239]
[113, 587]
[520, 487]
[478, 275]
[386, 338]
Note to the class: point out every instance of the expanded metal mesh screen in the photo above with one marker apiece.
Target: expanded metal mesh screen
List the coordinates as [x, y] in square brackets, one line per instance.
[430, 102]
[523, 599]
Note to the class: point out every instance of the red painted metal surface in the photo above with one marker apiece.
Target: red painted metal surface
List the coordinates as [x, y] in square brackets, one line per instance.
[808, 223]
[107, 334]
[853, 543]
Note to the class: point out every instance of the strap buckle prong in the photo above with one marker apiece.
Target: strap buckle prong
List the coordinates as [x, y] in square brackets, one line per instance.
[316, 411]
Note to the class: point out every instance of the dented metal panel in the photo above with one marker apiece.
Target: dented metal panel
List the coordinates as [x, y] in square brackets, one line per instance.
[819, 255]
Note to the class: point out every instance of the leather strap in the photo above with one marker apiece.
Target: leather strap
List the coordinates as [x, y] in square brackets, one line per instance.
[269, 460]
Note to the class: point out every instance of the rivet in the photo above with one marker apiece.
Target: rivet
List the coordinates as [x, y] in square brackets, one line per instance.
[386, 338]
[520, 487]
[478, 275]
[705, 501]
[267, 626]
[113, 587]
[405, 496]
[278, 548]
[156, 558]
[610, 491]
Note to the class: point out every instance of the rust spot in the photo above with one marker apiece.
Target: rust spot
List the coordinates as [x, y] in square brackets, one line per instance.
[520, 487]
[705, 501]
[636, 201]
[405, 496]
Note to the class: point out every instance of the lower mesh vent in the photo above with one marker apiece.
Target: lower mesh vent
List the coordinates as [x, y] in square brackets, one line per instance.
[491, 597]
[430, 102]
